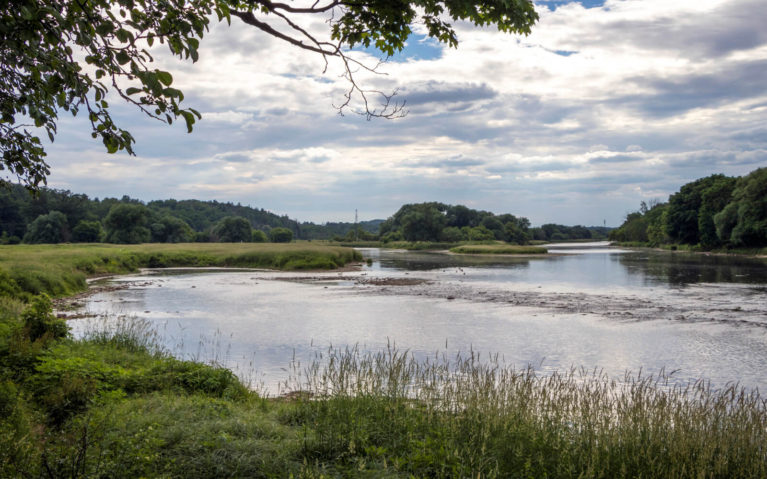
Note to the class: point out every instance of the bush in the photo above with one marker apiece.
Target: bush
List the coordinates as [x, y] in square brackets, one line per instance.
[281, 235]
[40, 322]
[87, 232]
[259, 236]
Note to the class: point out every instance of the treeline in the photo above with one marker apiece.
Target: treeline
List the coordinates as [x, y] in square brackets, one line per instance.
[438, 222]
[554, 232]
[713, 212]
[59, 216]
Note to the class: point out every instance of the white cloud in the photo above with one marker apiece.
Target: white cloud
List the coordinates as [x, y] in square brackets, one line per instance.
[631, 99]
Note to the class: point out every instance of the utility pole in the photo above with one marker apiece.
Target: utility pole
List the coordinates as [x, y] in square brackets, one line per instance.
[356, 232]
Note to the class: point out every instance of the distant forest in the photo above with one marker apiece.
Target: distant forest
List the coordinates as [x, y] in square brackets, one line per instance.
[60, 216]
[717, 211]
[438, 222]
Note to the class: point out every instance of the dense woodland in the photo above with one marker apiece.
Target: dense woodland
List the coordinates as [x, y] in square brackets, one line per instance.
[713, 212]
[438, 222]
[59, 216]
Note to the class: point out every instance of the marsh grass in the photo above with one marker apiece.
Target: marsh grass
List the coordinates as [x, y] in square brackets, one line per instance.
[62, 269]
[463, 417]
[498, 249]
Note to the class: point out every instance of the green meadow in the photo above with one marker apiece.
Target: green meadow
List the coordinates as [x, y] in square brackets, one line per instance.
[61, 269]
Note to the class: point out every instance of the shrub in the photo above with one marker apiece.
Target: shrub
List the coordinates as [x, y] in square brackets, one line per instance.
[259, 236]
[87, 232]
[40, 322]
[281, 235]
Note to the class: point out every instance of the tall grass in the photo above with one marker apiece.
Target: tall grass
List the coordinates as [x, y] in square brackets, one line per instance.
[62, 269]
[470, 418]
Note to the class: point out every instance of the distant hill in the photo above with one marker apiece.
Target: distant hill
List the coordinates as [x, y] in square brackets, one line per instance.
[19, 209]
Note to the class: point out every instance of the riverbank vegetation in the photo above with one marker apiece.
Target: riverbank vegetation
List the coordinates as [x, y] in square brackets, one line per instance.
[62, 269]
[713, 213]
[114, 404]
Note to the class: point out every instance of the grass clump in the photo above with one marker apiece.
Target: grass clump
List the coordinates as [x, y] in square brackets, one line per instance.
[466, 418]
[498, 249]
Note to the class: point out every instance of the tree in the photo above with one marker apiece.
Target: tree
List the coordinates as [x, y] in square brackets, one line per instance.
[423, 222]
[87, 232]
[50, 228]
[62, 55]
[126, 223]
[171, 230]
[281, 235]
[684, 207]
[745, 218]
[259, 237]
[233, 229]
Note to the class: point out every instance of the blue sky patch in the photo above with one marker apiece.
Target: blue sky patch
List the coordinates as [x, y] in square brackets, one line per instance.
[418, 47]
[553, 4]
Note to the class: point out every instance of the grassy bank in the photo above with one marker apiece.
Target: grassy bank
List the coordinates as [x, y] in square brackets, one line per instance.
[116, 405]
[112, 405]
[498, 249]
[62, 269]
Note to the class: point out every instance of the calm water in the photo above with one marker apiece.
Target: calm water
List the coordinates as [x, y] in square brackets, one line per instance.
[592, 306]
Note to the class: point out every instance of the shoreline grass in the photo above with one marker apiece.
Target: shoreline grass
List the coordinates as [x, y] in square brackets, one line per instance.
[498, 249]
[115, 404]
[62, 269]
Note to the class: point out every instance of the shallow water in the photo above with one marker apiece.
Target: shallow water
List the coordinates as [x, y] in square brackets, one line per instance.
[593, 307]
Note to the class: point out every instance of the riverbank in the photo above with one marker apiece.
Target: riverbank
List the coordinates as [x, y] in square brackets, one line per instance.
[760, 253]
[116, 404]
[62, 269]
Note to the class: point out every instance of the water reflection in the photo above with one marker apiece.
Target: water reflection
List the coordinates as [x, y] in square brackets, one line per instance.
[681, 269]
[612, 309]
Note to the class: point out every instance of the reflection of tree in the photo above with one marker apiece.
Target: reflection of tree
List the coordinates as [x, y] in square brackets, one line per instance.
[428, 261]
[681, 269]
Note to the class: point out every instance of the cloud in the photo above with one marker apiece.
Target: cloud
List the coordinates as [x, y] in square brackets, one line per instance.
[657, 94]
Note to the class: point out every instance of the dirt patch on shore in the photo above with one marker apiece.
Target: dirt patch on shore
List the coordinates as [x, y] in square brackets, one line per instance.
[357, 280]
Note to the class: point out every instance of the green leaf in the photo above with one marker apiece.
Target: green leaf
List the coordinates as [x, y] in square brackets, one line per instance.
[189, 118]
[122, 57]
[132, 90]
[164, 77]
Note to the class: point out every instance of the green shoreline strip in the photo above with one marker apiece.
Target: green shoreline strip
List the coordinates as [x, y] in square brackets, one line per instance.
[60, 270]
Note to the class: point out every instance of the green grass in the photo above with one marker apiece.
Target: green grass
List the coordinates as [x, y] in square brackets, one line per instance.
[498, 249]
[60, 270]
[115, 404]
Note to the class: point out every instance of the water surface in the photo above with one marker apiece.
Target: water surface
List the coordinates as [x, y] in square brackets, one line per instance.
[592, 306]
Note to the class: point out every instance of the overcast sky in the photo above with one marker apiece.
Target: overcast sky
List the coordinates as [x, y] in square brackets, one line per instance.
[606, 104]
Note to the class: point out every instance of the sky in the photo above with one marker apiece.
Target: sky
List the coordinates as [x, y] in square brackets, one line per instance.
[606, 104]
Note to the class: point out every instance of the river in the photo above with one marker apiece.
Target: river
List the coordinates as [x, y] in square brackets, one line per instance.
[588, 306]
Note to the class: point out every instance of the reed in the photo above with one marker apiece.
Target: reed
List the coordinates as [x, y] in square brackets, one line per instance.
[462, 417]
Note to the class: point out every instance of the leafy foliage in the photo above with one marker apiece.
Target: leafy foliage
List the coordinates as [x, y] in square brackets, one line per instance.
[233, 229]
[712, 212]
[50, 228]
[126, 223]
[60, 55]
[281, 235]
[434, 222]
